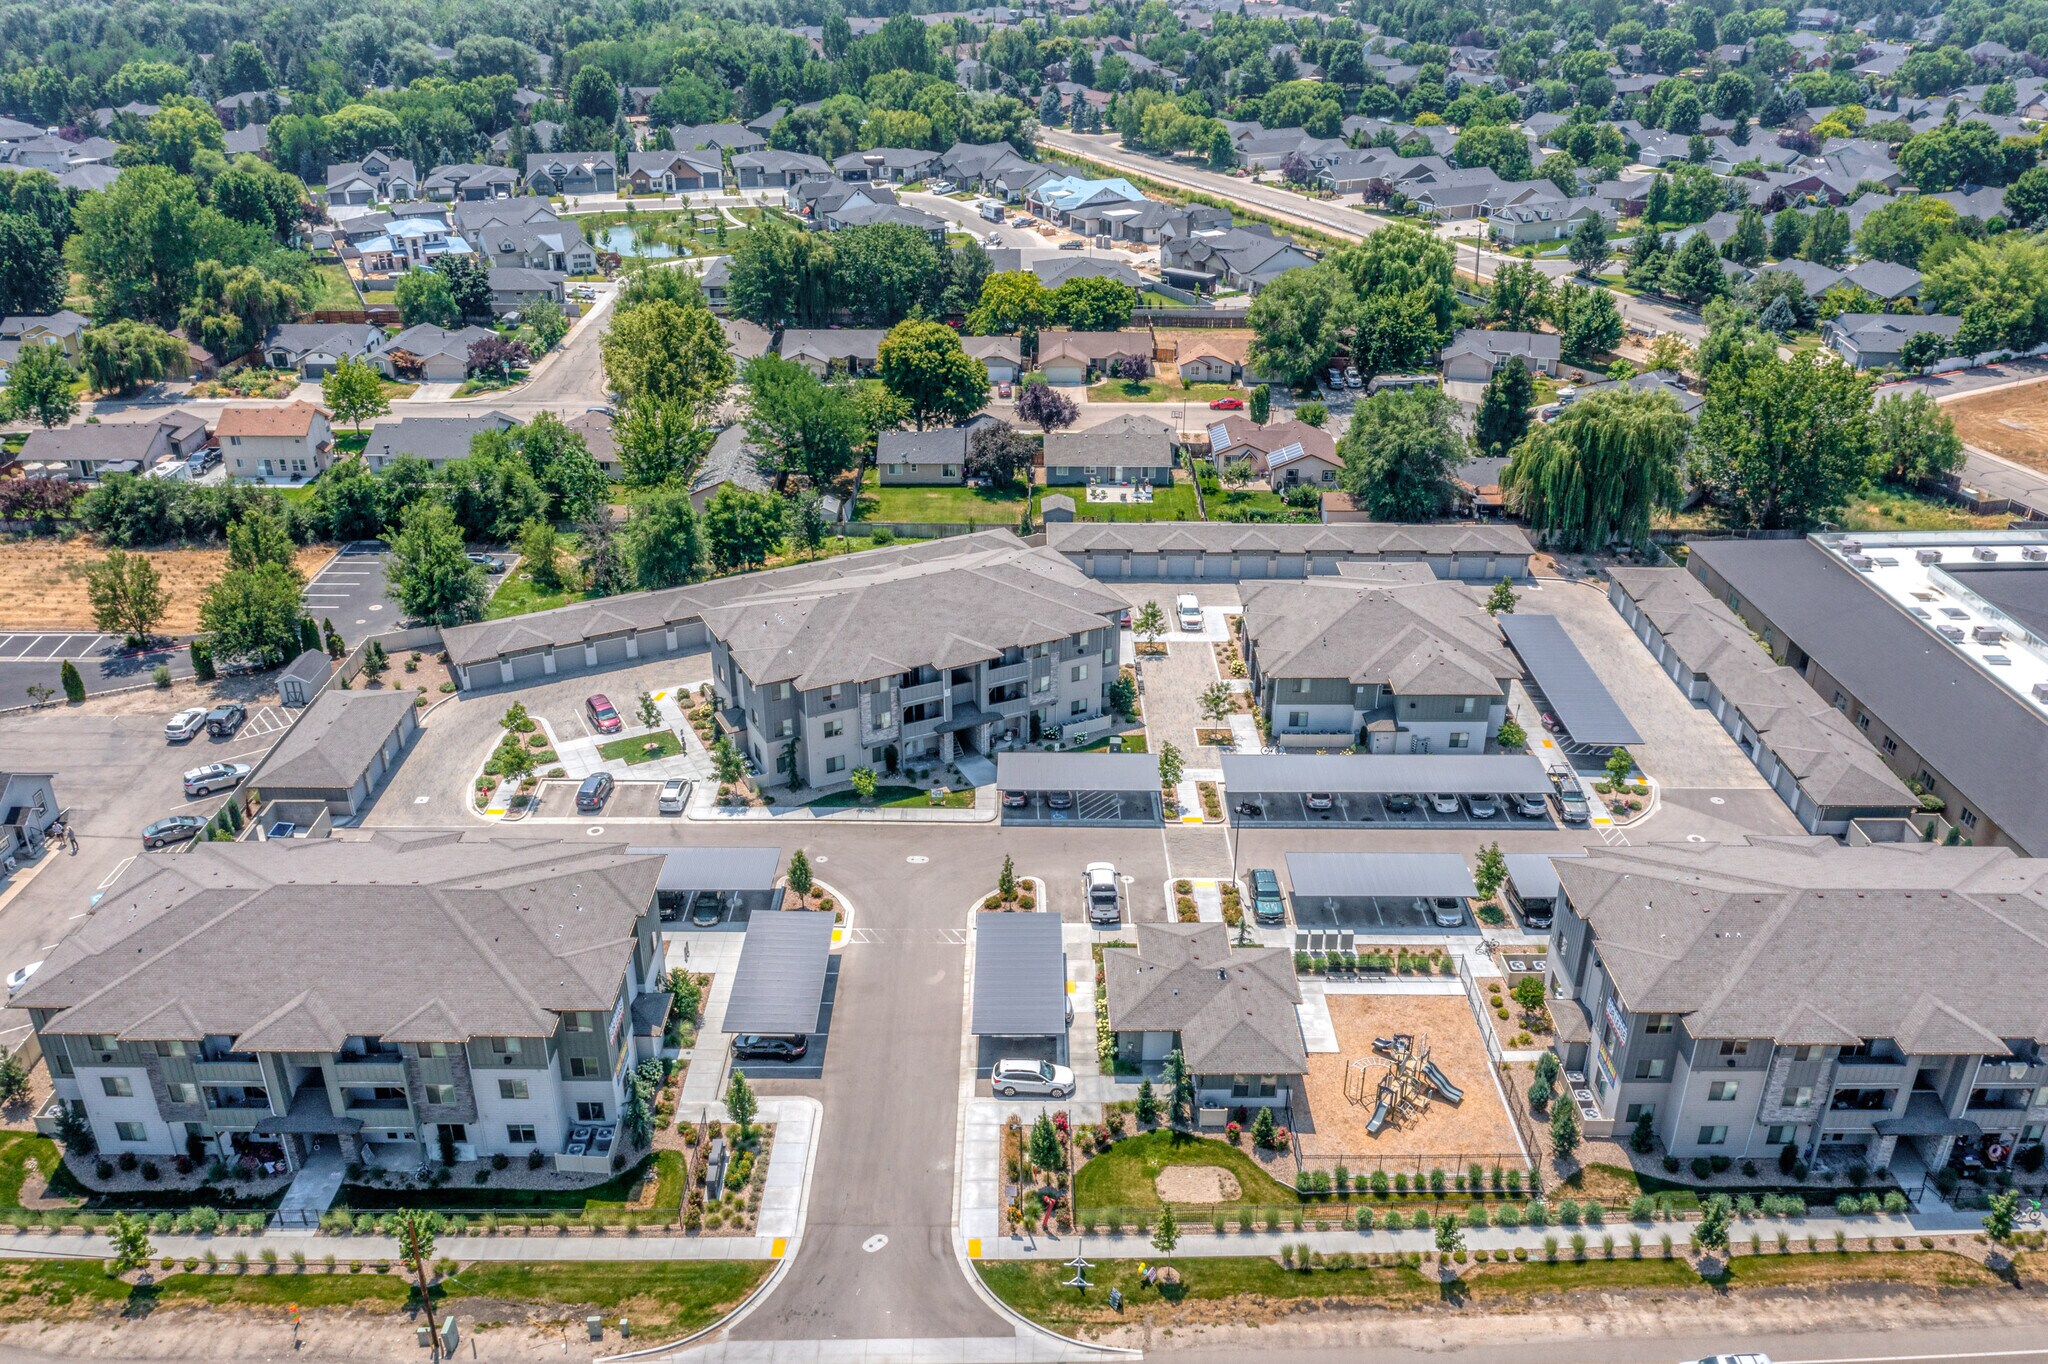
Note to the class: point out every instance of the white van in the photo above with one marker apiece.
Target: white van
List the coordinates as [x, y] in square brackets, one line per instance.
[1189, 612]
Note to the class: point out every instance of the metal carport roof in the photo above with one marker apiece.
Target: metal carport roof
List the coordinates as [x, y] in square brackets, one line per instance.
[1450, 773]
[1020, 976]
[1533, 875]
[780, 981]
[1077, 771]
[715, 868]
[1390, 876]
[1577, 697]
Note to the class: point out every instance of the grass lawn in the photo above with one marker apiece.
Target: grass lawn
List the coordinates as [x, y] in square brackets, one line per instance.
[1884, 508]
[1123, 1176]
[1260, 499]
[474, 386]
[16, 1150]
[995, 506]
[1134, 742]
[898, 798]
[1160, 391]
[1034, 1288]
[1175, 503]
[332, 290]
[635, 750]
[612, 1194]
[393, 390]
[516, 594]
[1152, 298]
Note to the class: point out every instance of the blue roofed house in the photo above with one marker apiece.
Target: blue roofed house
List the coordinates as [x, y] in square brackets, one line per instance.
[1057, 198]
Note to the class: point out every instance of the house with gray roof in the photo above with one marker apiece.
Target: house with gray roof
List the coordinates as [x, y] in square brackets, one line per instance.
[1128, 449]
[1231, 1013]
[572, 173]
[890, 165]
[401, 999]
[89, 450]
[315, 348]
[715, 137]
[1871, 340]
[469, 182]
[730, 461]
[435, 439]
[341, 750]
[767, 169]
[1884, 280]
[1865, 1006]
[1474, 354]
[922, 457]
[1409, 667]
[849, 350]
[429, 352]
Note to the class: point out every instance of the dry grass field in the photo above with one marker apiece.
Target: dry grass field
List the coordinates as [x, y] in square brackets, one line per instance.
[2012, 423]
[42, 582]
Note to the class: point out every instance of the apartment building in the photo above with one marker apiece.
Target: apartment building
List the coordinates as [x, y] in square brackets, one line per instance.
[390, 1000]
[1876, 1005]
[1413, 666]
[912, 659]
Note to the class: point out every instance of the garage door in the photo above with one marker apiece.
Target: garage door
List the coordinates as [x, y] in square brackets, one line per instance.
[611, 650]
[1216, 567]
[1180, 565]
[527, 667]
[315, 370]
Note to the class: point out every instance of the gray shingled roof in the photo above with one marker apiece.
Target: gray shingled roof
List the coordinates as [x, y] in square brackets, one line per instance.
[297, 945]
[1807, 942]
[1234, 1010]
[1429, 639]
[1126, 441]
[334, 742]
[1227, 537]
[942, 445]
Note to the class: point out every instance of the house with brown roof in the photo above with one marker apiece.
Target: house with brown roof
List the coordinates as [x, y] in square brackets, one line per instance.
[288, 442]
[1068, 358]
[1212, 357]
[1283, 455]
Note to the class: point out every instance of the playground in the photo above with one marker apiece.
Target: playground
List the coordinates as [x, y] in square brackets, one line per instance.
[1343, 1088]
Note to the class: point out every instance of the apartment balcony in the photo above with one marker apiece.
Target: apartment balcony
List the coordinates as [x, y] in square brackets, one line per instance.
[365, 1073]
[1016, 705]
[379, 1111]
[919, 694]
[1863, 1071]
[917, 729]
[1006, 674]
[228, 1072]
[2012, 1073]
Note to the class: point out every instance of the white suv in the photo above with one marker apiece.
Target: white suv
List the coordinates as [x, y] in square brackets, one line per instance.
[1010, 1078]
[1190, 612]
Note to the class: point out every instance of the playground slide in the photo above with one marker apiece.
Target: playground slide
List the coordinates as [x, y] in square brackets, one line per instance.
[1450, 1092]
[1379, 1116]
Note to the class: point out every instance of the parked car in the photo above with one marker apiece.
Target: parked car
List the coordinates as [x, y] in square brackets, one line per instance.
[768, 1046]
[175, 829]
[185, 725]
[224, 719]
[1075, 245]
[1536, 910]
[1730, 1359]
[595, 791]
[939, 187]
[489, 563]
[1336, 377]
[1010, 1078]
[992, 239]
[675, 794]
[1267, 906]
[1530, 805]
[204, 781]
[1482, 807]
[1442, 804]
[1227, 405]
[1572, 805]
[1016, 800]
[1447, 911]
[603, 717]
[1352, 378]
[1105, 902]
[1401, 803]
[199, 461]
[1003, 390]
[1059, 800]
[1550, 722]
[1319, 801]
[1188, 611]
[1020, 222]
[1123, 618]
[707, 907]
[21, 975]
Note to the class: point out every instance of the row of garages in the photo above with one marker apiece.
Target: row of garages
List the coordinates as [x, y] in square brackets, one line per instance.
[1230, 552]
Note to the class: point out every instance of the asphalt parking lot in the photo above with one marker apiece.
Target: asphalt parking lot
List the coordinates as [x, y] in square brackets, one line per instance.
[629, 800]
[811, 1065]
[1290, 811]
[32, 658]
[1130, 809]
[352, 593]
[1371, 916]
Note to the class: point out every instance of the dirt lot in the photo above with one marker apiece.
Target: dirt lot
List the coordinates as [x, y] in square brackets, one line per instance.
[2012, 422]
[42, 582]
[1332, 1128]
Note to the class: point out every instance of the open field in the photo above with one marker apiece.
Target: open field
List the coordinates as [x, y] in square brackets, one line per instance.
[1331, 1127]
[2011, 422]
[42, 582]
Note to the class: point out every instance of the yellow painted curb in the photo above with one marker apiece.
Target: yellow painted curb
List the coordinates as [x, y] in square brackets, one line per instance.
[779, 1245]
[838, 936]
[974, 1249]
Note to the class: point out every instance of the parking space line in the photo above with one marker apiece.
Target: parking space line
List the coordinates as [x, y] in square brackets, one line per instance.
[11, 645]
[115, 874]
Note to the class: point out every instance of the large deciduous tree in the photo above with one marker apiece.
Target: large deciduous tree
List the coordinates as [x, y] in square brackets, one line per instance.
[1594, 474]
[1785, 441]
[1298, 322]
[430, 571]
[923, 364]
[800, 425]
[668, 353]
[1399, 453]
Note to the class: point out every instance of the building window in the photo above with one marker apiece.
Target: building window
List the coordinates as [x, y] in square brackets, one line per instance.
[1779, 1134]
[1637, 1112]
[575, 1021]
[171, 1048]
[837, 764]
[1301, 686]
[1890, 746]
[1967, 819]
[1297, 719]
[116, 1087]
[1650, 1068]
[1461, 738]
[512, 1089]
[184, 1094]
[834, 728]
[584, 1068]
[1466, 704]
[440, 1094]
[506, 1046]
[1077, 707]
[1080, 673]
[1713, 1136]
[1721, 1091]
[1863, 722]
[1735, 1048]
[1802, 1097]
[592, 1111]
[1656, 1023]
[519, 1133]
[129, 1131]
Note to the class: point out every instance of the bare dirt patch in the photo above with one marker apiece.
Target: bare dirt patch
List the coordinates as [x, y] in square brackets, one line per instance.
[1331, 1128]
[1197, 1184]
[2010, 422]
[42, 582]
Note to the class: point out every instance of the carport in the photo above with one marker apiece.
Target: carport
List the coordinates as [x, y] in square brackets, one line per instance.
[1337, 892]
[1566, 685]
[1079, 788]
[779, 985]
[701, 887]
[1020, 987]
[1533, 889]
[1273, 788]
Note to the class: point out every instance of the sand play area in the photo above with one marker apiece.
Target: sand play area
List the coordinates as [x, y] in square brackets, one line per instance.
[1331, 1127]
[1197, 1184]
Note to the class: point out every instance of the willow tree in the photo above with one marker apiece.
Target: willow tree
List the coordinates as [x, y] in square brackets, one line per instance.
[1594, 475]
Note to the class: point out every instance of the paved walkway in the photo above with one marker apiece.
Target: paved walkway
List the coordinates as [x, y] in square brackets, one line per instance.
[719, 955]
[311, 1192]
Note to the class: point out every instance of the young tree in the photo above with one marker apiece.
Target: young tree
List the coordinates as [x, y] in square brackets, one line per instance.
[1045, 1151]
[800, 873]
[1260, 405]
[1711, 1233]
[129, 1239]
[202, 660]
[375, 661]
[1595, 473]
[923, 364]
[1166, 1234]
[74, 685]
[1170, 765]
[1504, 409]
[1450, 1236]
[549, 325]
[1049, 408]
[740, 1104]
[1148, 623]
[127, 595]
[1564, 1130]
[1620, 763]
[1528, 993]
[414, 1229]
[1491, 872]
[1399, 453]
[808, 525]
[429, 570]
[1001, 454]
[647, 712]
[1263, 1128]
[864, 782]
[540, 553]
[1148, 1104]
[337, 648]
[39, 386]
[353, 391]
[1180, 1084]
[1217, 702]
[1588, 248]
[1642, 1138]
[2000, 1212]
[1312, 413]
[1238, 473]
[1501, 601]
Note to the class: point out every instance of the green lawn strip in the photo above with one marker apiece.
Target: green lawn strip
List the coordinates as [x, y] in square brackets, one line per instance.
[1175, 503]
[671, 1174]
[1160, 391]
[332, 291]
[634, 750]
[1134, 742]
[1124, 1175]
[894, 502]
[610, 1196]
[1035, 1288]
[1262, 500]
[898, 798]
[16, 1150]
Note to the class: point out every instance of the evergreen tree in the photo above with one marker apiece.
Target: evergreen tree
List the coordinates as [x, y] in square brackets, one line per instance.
[1504, 408]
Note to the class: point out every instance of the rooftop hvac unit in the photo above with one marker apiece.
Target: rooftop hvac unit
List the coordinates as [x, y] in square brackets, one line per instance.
[1862, 563]
[1988, 634]
[2041, 692]
[1852, 546]
[1984, 554]
[1952, 633]
[2034, 554]
[1927, 556]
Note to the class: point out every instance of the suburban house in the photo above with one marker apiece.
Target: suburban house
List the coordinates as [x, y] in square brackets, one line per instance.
[514, 288]
[893, 165]
[1229, 1013]
[430, 353]
[716, 137]
[970, 164]
[1744, 998]
[1127, 449]
[64, 329]
[777, 170]
[674, 172]
[935, 456]
[87, 450]
[28, 807]
[730, 462]
[1243, 258]
[1540, 217]
[315, 348]
[409, 243]
[470, 182]
[848, 350]
[251, 999]
[1284, 454]
[821, 203]
[290, 441]
[433, 439]
[1387, 667]
[379, 178]
[1473, 354]
[572, 173]
[525, 232]
[1203, 357]
[1001, 356]
[1872, 340]
[341, 751]
[1071, 358]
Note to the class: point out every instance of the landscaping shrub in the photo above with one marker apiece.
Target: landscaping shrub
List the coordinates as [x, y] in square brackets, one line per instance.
[1701, 1167]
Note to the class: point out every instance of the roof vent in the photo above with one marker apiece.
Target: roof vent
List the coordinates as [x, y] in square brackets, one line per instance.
[1988, 634]
[1927, 556]
[1952, 633]
[1984, 554]
[2034, 554]
[1852, 546]
[2041, 692]
[1862, 563]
